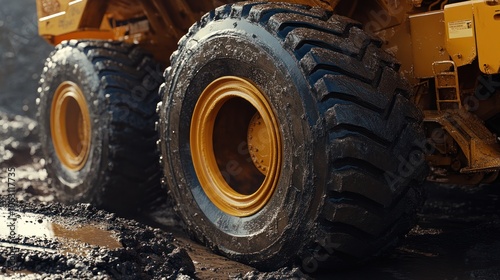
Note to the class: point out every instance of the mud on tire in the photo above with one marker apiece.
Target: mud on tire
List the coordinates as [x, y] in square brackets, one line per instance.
[352, 165]
[119, 84]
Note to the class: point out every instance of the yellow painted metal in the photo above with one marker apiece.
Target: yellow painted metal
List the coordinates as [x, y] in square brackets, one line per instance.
[460, 33]
[48, 7]
[487, 21]
[70, 126]
[472, 28]
[478, 144]
[428, 47]
[79, 35]
[259, 143]
[219, 130]
[58, 21]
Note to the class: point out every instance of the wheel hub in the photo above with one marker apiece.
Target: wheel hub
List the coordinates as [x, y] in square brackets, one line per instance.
[236, 146]
[70, 126]
[259, 144]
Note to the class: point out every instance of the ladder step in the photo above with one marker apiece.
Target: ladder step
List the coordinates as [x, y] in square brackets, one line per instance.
[446, 82]
[445, 74]
[449, 101]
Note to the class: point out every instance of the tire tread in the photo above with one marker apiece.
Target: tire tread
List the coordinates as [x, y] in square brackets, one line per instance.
[368, 120]
[132, 170]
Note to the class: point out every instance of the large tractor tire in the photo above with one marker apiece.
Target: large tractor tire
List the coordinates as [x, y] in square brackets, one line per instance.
[287, 136]
[97, 114]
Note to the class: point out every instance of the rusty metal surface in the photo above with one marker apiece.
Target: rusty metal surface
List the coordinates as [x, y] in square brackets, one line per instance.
[478, 144]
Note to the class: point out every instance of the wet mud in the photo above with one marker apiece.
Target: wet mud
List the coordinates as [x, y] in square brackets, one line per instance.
[82, 242]
[457, 237]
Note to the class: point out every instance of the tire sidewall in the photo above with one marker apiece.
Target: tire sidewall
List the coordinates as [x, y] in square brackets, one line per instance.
[251, 52]
[67, 63]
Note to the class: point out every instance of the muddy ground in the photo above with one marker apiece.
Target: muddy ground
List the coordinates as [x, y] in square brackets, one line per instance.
[458, 236]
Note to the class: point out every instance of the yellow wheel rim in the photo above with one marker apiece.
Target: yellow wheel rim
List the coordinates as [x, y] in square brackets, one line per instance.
[70, 126]
[236, 146]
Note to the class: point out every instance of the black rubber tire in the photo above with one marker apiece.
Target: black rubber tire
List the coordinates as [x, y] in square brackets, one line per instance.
[120, 83]
[352, 163]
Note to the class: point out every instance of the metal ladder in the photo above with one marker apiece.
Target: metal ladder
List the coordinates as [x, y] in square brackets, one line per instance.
[447, 89]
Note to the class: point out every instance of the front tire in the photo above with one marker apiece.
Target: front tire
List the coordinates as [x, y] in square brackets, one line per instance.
[343, 123]
[97, 114]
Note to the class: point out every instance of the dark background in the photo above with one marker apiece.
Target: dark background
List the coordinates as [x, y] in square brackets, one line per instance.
[22, 55]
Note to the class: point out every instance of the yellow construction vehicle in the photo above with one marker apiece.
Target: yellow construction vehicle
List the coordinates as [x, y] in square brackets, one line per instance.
[287, 131]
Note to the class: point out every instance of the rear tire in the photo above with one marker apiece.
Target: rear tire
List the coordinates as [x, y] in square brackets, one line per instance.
[351, 166]
[112, 88]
